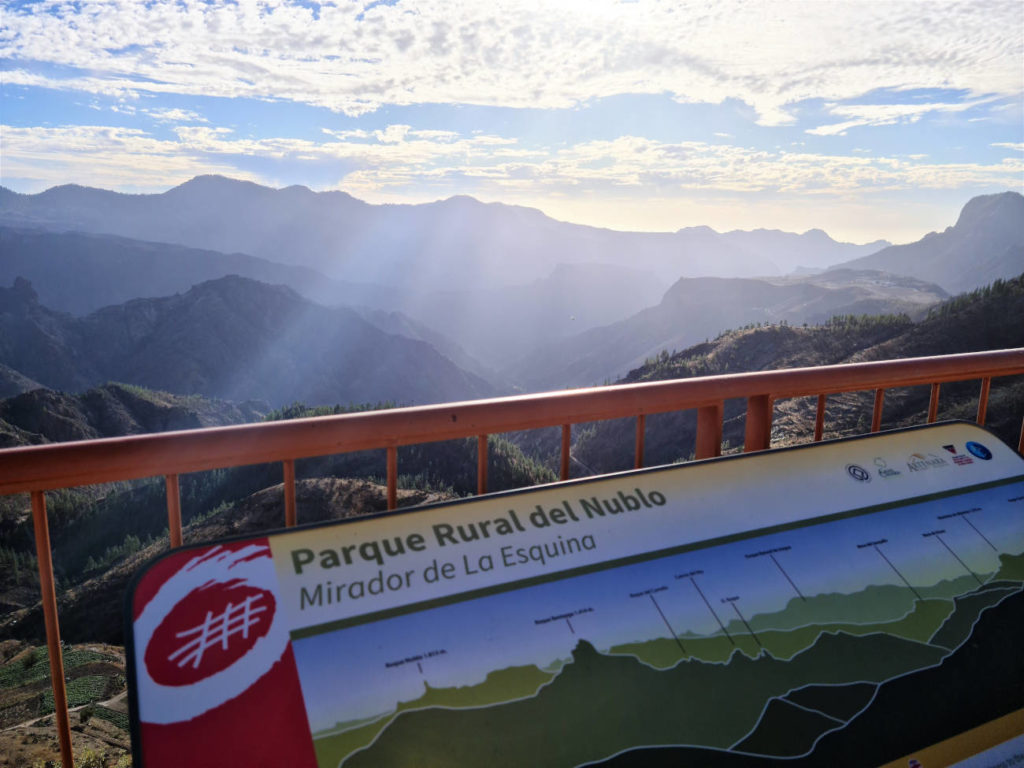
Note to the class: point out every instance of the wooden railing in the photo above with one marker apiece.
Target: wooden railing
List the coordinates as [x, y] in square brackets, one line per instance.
[37, 469]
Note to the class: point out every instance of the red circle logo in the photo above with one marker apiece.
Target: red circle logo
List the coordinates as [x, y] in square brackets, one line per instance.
[208, 631]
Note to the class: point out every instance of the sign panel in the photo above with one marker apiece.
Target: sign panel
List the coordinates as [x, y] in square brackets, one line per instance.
[859, 597]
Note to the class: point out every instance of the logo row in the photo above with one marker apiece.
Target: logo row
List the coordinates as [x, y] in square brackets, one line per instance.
[919, 462]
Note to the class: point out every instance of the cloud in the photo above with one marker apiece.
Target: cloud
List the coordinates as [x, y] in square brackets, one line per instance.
[399, 163]
[103, 156]
[887, 114]
[175, 116]
[1019, 145]
[355, 57]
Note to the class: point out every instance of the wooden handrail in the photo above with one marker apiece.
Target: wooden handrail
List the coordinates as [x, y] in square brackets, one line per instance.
[63, 465]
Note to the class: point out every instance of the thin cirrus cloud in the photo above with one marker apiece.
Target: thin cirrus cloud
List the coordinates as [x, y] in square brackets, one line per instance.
[887, 114]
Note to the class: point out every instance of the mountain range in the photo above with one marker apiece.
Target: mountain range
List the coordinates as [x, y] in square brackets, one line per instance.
[232, 338]
[985, 244]
[458, 243]
[695, 309]
[503, 292]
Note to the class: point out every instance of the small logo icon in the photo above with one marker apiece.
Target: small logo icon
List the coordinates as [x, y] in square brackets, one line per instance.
[884, 470]
[979, 450]
[857, 472]
[950, 448]
[918, 462]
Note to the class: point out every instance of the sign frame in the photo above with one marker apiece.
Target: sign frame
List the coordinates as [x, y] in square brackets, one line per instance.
[734, 461]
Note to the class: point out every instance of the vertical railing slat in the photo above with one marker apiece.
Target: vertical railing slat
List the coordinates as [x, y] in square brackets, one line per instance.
[638, 452]
[48, 589]
[290, 516]
[563, 472]
[709, 431]
[819, 418]
[173, 510]
[933, 404]
[758, 433]
[876, 414]
[1020, 443]
[481, 465]
[986, 383]
[392, 477]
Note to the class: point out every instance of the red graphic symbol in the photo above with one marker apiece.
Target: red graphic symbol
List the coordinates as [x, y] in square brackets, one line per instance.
[208, 631]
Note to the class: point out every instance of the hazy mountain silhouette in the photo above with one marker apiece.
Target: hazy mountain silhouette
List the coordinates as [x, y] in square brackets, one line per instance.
[500, 324]
[458, 243]
[985, 244]
[695, 309]
[233, 338]
[79, 273]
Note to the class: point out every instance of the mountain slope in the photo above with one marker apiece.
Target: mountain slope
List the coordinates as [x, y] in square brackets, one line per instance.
[232, 338]
[501, 324]
[700, 308]
[80, 273]
[985, 244]
[989, 318]
[112, 410]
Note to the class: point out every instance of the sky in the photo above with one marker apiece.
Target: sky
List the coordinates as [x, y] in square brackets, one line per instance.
[867, 119]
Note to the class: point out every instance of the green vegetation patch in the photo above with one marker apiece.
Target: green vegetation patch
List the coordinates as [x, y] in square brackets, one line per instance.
[83, 690]
[35, 666]
[120, 719]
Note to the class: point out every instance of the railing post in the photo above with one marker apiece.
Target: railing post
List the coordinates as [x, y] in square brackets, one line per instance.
[876, 414]
[48, 589]
[1020, 443]
[933, 404]
[290, 517]
[173, 510]
[709, 431]
[481, 465]
[392, 478]
[759, 423]
[819, 419]
[983, 400]
[641, 424]
[563, 472]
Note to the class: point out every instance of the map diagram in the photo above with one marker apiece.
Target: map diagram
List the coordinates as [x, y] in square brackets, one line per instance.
[794, 644]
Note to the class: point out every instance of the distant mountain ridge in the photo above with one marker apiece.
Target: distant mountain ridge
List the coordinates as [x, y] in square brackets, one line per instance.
[80, 272]
[231, 338]
[985, 244]
[458, 243]
[699, 308]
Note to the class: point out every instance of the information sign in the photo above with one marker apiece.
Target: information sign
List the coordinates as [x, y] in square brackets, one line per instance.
[861, 599]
